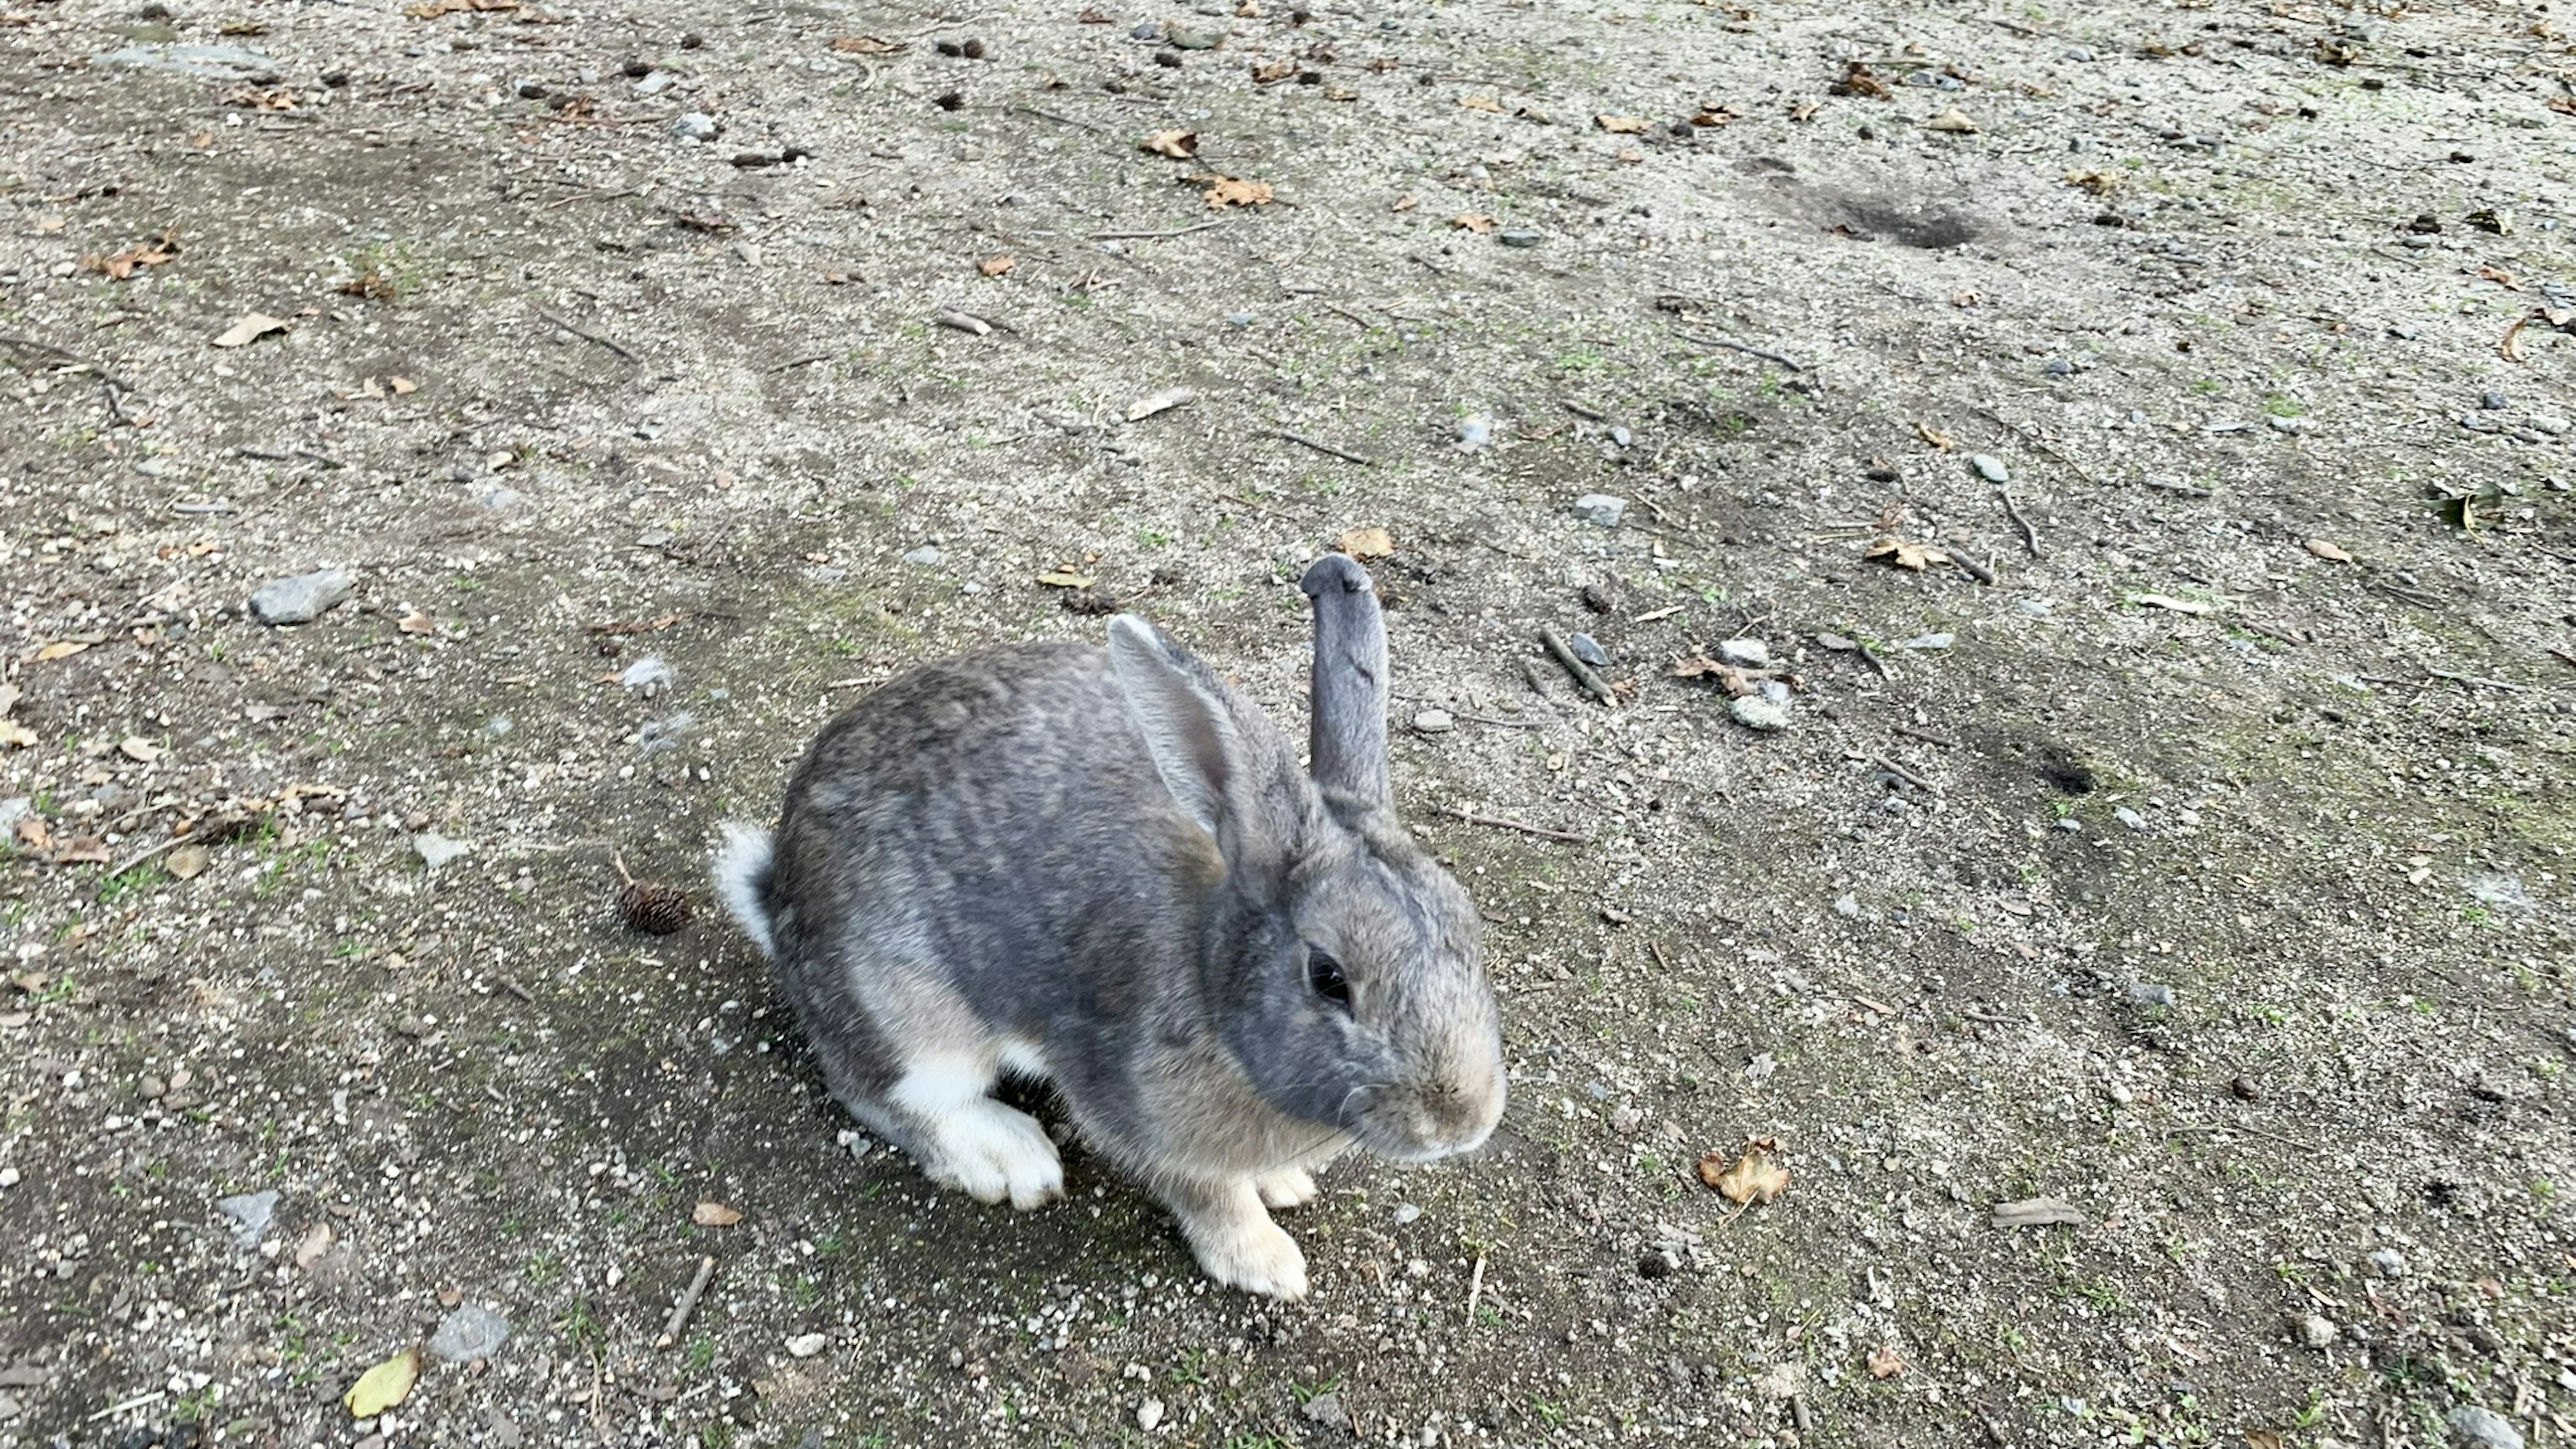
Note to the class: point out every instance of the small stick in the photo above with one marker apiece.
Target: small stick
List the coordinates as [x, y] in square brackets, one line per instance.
[1475, 1287]
[138, 1401]
[807, 361]
[1570, 837]
[2029, 535]
[1152, 235]
[1303, 441]
[688, 1303]
[1257, 507]
[1870, 657]
[1062, 120]
[2042, 444]
[1968, 564]
[587, 335]
[1746, 348]
[201, 508]
[515, 989]
[1509, 724]
[1591, 682]
[146, 857]
[1908, 776]
[2185, 489]
[2563, 656]
[2478, 680]
[1927, 737]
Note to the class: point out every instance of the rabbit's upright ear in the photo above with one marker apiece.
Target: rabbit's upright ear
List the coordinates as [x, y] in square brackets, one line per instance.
[1347, 743]
[1186, 725]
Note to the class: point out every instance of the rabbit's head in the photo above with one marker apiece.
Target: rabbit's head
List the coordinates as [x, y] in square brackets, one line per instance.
[1341, 966]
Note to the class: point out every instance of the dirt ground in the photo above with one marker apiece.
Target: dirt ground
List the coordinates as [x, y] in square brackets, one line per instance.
[2179, 857]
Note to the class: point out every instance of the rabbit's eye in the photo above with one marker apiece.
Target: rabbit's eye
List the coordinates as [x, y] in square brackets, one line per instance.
[1324, 975]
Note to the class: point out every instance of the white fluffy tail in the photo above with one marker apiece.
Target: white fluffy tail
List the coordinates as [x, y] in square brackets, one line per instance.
[741, 872]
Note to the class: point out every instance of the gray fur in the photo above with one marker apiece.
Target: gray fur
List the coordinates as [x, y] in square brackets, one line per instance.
[1347, 741]
[1110, 861]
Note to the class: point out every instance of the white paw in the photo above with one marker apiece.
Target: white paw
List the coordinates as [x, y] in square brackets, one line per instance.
[1290, 1187]
[994, 1153]
[1255, 1255]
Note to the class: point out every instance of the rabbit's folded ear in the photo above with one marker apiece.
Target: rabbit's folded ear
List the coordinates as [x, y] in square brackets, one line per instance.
[1347, 744]
[1188, 729]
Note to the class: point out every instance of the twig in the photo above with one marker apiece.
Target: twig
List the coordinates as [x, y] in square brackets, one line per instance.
[201, 508]
[688, 1303]
[2029, 535]
[1345, 455]
[138, 1401]
[1927, 737]
[1062, 120]
[589, 336]
[1746, 348]
[2036, 441]
[515, 989]
[806, 361]
[1509, 724]
[1570, 837]
[1908, 776]
[1968, 564]
[2478, 680]
[142, 858]
[1591, 682]
[2562, 656]
[2169, 486]
[1475, 1287]
[1152, 235]
[1257, 507]
[1870, 657]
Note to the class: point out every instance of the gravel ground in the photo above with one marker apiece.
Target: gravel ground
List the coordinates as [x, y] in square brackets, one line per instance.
[2146, 944]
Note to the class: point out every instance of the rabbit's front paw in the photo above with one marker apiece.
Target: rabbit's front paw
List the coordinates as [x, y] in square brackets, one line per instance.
[1256, 1255]
[992, 1153]
[1289, 1187]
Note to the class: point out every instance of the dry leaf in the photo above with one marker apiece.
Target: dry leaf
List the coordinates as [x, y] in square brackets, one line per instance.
[1757, 1176]
[2168, 601]
[403, 386]
[1953, 121]
[262, 98]
[1936, 438]
[15, 736]
[188, 861]
[416, 622]
[1476, 222]
[252, 327]
[996, 266]
[60, 649]
[1161, 402]
[1224, 191]
[1717, 116]
[2100, 183]
[1263, 75]
[1803, 110]
[1481, 103]
[1066, 579]
[1885, 1362]
[1906, 554]
[1966, 297]
[316, 1241]
[1695, 667]
[1368, 545]
[2325, 550]
[1407, 202]
[1621, 125]
[139, 749]
[711, 1214]
[1859, 80]
[387, 1384]
[136, 257]
[1179, 145]
[867, 45]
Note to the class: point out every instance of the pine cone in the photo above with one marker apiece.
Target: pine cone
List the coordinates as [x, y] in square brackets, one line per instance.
[654, 909]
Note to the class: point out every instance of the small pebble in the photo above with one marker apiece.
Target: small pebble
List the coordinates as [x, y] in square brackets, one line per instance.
[1755, 712]
[1406, 1212]
[926, 556]
[2388, 1263]
[1990, 467]
[436, 850]
[2315, 1330]
[2129, 818]
[250, 1213]
[2069, 824]
[2494, 401]
[301, 599]
[694, 126]
[1519, 238]
[1620, 437]
[1149, 1415]
[1744, 653]
[2245, 1089]
[1847, 906]
[1327, 1410]
[1657, 1264]
[806, 1345]
[1589, 650]
[2057, 367]
[1475, 430]
[1434, 722]
[1600, 509]
[2483, 1428]
[469, 1332]
[8, 1177]
[1930, 641]
[2153, 994]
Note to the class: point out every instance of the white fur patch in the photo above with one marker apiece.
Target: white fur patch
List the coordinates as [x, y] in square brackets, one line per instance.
[741, 867]
[1242, 1248]
[991, 1152]
[1022, 1057]
[1289, 1187]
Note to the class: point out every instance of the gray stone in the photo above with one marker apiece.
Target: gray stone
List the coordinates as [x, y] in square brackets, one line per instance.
[1930, 641]
[1755, 712]
[2483, 1428]
[437, 850]
[301, 599]
[926, 556]
[1621, 437]
[13, 810]
[1601, 510]
[206, 62]
[1520, 238]
[1847, 906]
[1184, 38]
[472, 1331]
[1589, 650]
[2315, 1330]
[2069, 824]
[1406, 1212]
[1326, 1411]
[695, 126]
[2153, 994]
[648, 676]
[654, 84]
[1434, 722]
[1475, 430]
[251, 1213]
[1744, 653]
[2388, 1263]
[2129, 818]
[1990, 467]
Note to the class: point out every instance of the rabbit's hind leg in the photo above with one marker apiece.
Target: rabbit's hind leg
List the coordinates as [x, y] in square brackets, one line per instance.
[965, 1139]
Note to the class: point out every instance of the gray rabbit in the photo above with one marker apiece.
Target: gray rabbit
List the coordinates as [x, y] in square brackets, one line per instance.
[1104, 868]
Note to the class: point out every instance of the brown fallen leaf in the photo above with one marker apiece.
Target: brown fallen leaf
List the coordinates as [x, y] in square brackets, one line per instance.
[1953, 122]
[2100, 183]
[1621, 125]
[1966, 297]
[1938, 439]
[60, 649]
[1756, 1177]
[1368, 545]
[316, 1241]
[263, 98]
[416, 622]
[867, 45]
[91, 851]
[1481, 103]
[2325, 550]
[15, 736]
[1179, 145]
[437, 8]
[35, 835]
[711, 1214]
[1272, 74]
[402, 386]
[1803, 110]
[252, 327]
[1406, 202]
[1717, 116]
[1695, 667]
[2563, 105]
[1859, 80]
[1224, 191]
[1885, 1362]
[136, 257]
[2500, 277]
[1907, 554]
[996, 266]
[1476, 222]
[1065, 579]
[188, 861]
[138, 749]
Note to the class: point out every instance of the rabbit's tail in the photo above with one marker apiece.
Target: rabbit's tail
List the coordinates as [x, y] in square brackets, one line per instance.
[742, 881]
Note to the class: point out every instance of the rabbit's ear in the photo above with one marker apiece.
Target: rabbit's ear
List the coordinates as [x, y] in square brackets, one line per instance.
[1347, 743]
[1186, 725]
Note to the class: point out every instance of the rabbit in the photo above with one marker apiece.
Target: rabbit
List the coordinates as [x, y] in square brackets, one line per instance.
[1104, 868]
